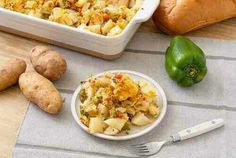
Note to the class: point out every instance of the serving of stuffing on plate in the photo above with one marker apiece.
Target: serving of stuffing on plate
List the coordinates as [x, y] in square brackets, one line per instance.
[106, 17]
[114, 102]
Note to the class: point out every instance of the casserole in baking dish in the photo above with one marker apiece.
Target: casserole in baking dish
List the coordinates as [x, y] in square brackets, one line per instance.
[108, 47]
[105, 17]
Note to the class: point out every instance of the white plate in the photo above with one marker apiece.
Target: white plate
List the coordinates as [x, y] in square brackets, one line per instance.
[135, 131]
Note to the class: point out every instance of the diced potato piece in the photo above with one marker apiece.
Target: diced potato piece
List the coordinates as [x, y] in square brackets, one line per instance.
[130, 110]
[69, 19]
[102, 81]
[111, 131]
[122, 23]
[56, 14]
[154, 110]
[91, 110]
[73, 17]
[101, 92]
[115, 31]
[129, 14]
[89, 93]
[116, 123]
[100, 4]
[147, 89]
[95, 28]
[30, 4]
[35, 13]
[86, 16]
[143, 106]
[140, 119]
[108, 26]
[82, 27]
[47, 7]
[85, 7]
[108, 75]
[103, 110]
[96, 125]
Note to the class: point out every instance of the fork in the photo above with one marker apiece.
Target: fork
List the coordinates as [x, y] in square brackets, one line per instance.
[152, 148]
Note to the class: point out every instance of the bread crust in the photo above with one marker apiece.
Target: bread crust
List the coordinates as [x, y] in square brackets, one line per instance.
[182, 16]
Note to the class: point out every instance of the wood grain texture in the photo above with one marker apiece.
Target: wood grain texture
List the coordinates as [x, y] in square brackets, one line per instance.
[12, 103]
[13, 106]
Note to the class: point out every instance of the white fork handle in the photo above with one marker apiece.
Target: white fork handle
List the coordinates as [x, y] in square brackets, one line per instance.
[200, 129]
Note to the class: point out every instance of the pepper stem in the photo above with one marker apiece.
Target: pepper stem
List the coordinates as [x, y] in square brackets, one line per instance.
[191, 71]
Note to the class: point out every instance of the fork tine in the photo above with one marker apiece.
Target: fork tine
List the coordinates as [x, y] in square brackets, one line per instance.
[140, 150]
[145, 149]
[137, 144]
[141, 147]
[148, 149]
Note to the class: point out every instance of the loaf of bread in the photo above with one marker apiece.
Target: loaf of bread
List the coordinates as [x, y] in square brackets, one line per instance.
[182, 16]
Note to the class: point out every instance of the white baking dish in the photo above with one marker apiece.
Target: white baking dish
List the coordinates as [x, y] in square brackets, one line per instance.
[72, 38]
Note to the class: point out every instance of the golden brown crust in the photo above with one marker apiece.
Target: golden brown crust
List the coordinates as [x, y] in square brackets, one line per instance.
[179, 17]
[40, 91]
[47, 62]
[10, 72]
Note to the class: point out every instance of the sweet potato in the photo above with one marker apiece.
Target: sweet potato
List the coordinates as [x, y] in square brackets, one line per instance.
[47, 62]
[10, 72]
[41, 91]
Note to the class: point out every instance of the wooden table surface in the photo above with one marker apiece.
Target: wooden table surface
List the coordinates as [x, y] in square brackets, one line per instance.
[13, 105]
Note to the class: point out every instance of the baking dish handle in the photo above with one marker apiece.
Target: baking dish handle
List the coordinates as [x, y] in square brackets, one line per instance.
[146, 11]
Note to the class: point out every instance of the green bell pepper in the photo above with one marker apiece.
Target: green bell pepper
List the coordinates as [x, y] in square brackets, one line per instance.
[185, 62]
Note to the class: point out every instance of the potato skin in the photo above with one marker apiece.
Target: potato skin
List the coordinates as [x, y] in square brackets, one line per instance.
[41, 91]
[48, 63]
[10, 72]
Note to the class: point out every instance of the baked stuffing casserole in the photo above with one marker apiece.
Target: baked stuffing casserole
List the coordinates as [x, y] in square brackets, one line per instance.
[113, 103]
[106, 17]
